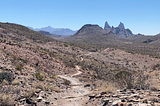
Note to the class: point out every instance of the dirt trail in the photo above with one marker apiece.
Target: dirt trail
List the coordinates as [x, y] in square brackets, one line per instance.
[76, 95]
[78, 72]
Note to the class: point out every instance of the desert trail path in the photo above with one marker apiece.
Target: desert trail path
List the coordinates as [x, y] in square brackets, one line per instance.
[76, 95]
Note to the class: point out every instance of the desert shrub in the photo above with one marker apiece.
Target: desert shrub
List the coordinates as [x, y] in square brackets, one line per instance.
[5, 82]
[29, 93]
[65, 45]
[23, 60]
[157, 66]
[41, 85]
[18, 67]
[107, 87]
[94, 50]
[99, 77]
[56, 89]
[12, 56]
[47, 87]
[6, 76]
[54, 76]
[17, 90]
[67, 82]
[124, 79]
[39, 76]
[28, 44]
[141, 81]
[6, 100]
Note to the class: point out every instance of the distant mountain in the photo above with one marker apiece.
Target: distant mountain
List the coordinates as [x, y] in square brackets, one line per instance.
[54, 36]
[58, 31]
[30, 28]
[120, 30]
[89, 29]
[44, 32]
[93, 35]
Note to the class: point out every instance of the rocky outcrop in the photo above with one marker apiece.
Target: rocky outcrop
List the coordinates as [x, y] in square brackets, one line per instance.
[120, 30]
[121, 26]
[107, 26]
[126, 97]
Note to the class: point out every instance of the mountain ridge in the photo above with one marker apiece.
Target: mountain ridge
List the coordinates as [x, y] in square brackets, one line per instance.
[58, 31]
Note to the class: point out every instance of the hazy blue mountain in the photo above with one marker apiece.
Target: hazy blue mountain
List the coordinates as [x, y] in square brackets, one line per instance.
[58, 31]
[30, 28]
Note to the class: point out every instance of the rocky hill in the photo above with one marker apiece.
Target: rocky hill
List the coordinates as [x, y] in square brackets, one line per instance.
[93, 35]
[89, 30]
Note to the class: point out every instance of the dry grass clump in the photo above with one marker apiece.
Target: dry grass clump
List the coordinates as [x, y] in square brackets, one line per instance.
[15, 82]
[50, 80]
[40, 85]
[6, 100]
[56, 89]
[40, 76]
[29, 93]
[154, 74]
[47, 87]
[67, 82]
[5, 82]
[107, 87]
[54, 76]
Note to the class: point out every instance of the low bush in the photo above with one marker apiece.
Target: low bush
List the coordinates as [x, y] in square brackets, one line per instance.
[66, 82]
[6, 100]
[65, 45]
[18, 67]
[107, 87]
[39, 76]
[47, 87]
[6, 76]
[23, 60]
[29, 93]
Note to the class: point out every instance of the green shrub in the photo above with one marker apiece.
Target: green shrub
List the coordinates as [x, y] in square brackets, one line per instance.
[39, 76]
[18, 67]
[23, 60]
[124, 79]
[65, 45]
[54, 76]
[6, 76]
[66, 82]
[28, 44]
[12, 56]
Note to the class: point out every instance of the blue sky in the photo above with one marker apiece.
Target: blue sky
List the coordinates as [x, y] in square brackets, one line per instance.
[141, 16]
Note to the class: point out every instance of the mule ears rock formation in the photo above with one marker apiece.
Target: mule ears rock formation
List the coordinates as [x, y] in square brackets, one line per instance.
[120, 30]
[121, 26]
[107, 26]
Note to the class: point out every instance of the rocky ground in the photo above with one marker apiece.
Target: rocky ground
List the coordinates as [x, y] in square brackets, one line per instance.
[125, 97]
